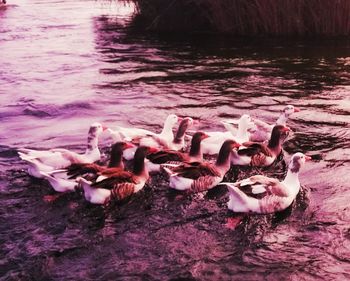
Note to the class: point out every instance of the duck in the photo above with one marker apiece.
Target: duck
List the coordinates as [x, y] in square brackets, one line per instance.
[119, 185]
[261, 154]
[2, 3]
[131, 133]
[58, 158]
[213, 144]
[263, 130]
[175, 157]
[135, 134]
[202, 176]
[263, 195]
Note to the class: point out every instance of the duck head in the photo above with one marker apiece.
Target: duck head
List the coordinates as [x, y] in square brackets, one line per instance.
[96, 129]
[199, 136]
[244, 123]
[297, 161]
[171, 120]
[195, 149]
[225, 152]
[289, 109]
[278, 135]
[184, 125]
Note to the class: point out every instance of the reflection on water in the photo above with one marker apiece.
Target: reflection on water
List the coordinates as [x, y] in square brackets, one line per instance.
[65, 64]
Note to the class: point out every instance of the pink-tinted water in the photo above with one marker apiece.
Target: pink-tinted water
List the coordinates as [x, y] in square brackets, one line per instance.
[66, 64]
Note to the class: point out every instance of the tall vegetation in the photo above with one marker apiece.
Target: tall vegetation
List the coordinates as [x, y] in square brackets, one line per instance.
[248, 17]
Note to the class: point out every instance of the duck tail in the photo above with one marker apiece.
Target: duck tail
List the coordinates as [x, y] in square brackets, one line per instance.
[169, 172]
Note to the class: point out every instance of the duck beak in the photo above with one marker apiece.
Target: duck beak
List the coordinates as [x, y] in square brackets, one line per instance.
[104, 128]
[296, 109]
[286, 129]
[179, 119]
[129, 145]
[205, 136]
[152, 149]
[237, 145]
[308, 158]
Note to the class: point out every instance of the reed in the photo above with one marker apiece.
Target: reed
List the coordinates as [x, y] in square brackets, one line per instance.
[248, 17]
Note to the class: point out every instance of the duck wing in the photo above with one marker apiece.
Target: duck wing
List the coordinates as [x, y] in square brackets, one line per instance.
[253, 148]
[117, 178]
[196, 170]
[260, 186]
[164, 156]
[81, 169]
[110, 171]
[122, 190]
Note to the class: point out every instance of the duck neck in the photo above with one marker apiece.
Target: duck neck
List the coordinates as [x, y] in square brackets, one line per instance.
[282, 119]
[223, 159]
[139, 162]
[92, 143]
[116, 158]
[242, 132]
[292, 180]
[180, 134]
[275, 142]
[196, 151]
[167, 129]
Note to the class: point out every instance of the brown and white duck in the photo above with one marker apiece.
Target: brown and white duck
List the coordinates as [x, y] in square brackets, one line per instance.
[263, 195]
[175, 157]
[263, 130]
[57, 158]
[93, 171]
[201, 176]
[63, 180]
[119, 185]
[261, 154]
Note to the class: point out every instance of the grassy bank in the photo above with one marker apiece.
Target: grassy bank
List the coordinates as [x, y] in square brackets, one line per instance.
[248, 17]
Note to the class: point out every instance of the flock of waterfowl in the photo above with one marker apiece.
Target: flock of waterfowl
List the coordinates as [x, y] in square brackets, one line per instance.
[253, 143]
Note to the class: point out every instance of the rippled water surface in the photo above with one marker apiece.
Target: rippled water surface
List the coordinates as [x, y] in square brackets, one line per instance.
[65, 64]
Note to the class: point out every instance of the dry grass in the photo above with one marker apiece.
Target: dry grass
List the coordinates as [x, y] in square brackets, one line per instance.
[248, 17]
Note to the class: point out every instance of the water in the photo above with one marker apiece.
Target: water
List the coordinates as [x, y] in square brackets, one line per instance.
[65, 64]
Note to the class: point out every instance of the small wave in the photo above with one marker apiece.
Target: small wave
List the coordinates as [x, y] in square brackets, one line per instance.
[36, 112]
[74, 105]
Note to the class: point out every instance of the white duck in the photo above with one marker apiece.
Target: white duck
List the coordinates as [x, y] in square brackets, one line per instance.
[58, 158]
[124, 133]
[263, 195]
[128, 134]
[263, 130]
[213, 144]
